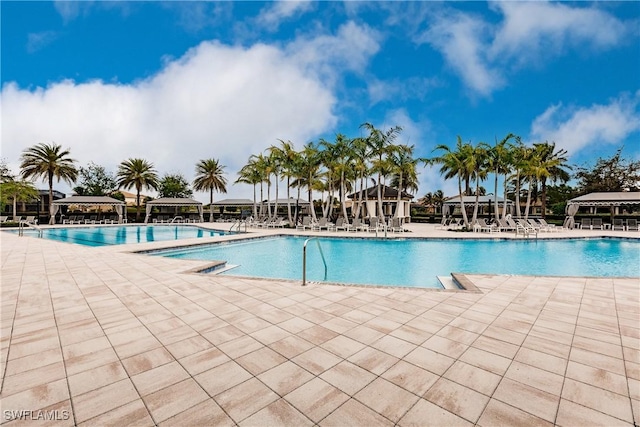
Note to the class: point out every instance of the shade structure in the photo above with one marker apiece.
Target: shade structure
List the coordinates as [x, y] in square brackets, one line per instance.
[173, 201]
[612, 200]
[87, 201]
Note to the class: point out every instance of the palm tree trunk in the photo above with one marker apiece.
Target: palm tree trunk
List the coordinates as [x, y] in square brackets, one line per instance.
[504, 206]
[52, 218]
[138, 189]
[518, 210]
[275, 210]
[526, 209]
[380, 211]
[261, 199]
[496, 209]
[211, 204]
[313, 208]
[399, 200]
[289, 217]
[255, 206]
[543, 196]
[462, 208]
[477, 203]
[269, 198]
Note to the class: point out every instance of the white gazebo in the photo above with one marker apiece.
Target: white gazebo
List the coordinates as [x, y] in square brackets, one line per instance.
[390, 203]
[87, 201]
[611, 200]
[175, 202]
[486, 204]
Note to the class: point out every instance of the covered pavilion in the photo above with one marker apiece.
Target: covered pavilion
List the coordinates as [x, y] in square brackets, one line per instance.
[173, 202]
[87, 201]
[390, 203]
[610, 200]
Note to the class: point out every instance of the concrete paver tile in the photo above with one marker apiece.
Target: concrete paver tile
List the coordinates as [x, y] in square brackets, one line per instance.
[596, 398]
[104, 399]
[278, 413]
[500, 414]
[348, 377]
[354, 413]
[131, 414]
[222, 377]
[425, 411]
[148, 360]
[387, 399]
[285, 377]
[457, 399]
[316, 399]
[163, 403]
[245, 399]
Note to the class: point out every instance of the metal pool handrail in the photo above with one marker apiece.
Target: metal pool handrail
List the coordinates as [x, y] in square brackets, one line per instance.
[304, 260]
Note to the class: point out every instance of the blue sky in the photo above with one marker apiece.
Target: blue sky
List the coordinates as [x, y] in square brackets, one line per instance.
[176, 82]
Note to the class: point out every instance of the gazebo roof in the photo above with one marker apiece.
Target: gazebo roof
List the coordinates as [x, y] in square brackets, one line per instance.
[88, 201]
[607, 199]
[233, 202]
[174, 201]
[372, 193]
[455, 200]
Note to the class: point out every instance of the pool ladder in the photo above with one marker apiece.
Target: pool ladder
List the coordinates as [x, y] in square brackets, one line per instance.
[304, 260]
[237, 225]
[24, 224]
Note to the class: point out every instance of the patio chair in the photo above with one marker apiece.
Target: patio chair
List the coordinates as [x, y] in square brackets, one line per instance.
[342, 224]
[69, 220]
[396, 225]
[91, 220]
[444, 223]
[534, 224]
[585, 223]
[30, 220]
[632, 225]
[375, 224]
[306, 224]
[597, 223]
[618, 224]
[323, 223]
[544, 226]
[358, 225]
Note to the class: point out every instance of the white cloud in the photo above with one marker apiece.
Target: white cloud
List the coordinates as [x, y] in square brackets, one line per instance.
[215, 101]
[396, 89]
[226, 102]
[530, 33]
[531, 30]
[36, 41]
[272, 15]
[462, 40]
[575, 128]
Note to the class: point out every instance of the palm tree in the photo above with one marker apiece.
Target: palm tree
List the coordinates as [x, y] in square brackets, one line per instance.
[476, 161]
[210, 176]
[249, 174]
[50, 161]
[18, 191]
[453, 164]
[309, 172]
[137, 173]
[553, 165]
[498, 163]
[361, 168]
[378, 142]
[404, 166]
[287, 157]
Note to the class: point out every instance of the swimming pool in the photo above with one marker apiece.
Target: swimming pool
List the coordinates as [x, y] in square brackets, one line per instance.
[125, 234]
[418, 262]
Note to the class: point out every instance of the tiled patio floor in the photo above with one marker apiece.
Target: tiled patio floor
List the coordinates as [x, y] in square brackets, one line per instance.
[94, 336]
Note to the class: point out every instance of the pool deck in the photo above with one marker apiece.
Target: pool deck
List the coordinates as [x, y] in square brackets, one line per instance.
[101, 336]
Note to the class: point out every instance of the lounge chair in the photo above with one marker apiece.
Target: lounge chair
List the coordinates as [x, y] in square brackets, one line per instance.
[456, 224]
[30, 220]
[375, 224]
[597, 223]
[306, 224]
[632, 225]
[481, 225]
[69, 220]
[3, 219]
[618, 224]
[534, 224]
[444, 223]
[92, 219]
[358, 225]
[544, 226]
[585, 223]
[278, 222]
[396, 225]
[342, 224]
[323, 223]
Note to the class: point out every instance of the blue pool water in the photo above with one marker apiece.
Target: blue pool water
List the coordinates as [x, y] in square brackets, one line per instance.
[417, 262]
[120, 235]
